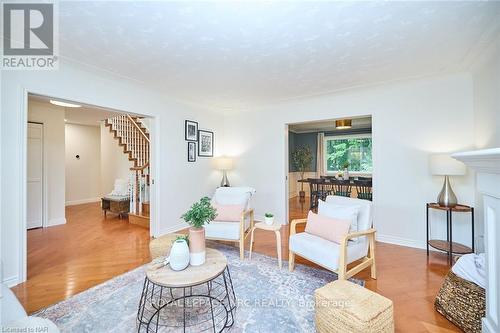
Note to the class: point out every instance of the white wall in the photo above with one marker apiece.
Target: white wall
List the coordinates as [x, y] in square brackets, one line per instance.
[52, 118]
[486, 90]
[114, 163]
[83, 175]
[410, 120]
[177, 184]
[486, 80]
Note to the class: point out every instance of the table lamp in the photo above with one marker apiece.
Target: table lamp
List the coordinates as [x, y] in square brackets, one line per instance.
[445, 165]
[224, 164]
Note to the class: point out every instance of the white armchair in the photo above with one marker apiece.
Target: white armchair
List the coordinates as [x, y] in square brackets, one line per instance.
[13, 317]
[335, 257]
[234, 231]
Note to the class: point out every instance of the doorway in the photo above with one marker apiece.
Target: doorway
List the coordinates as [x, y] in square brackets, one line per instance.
[35, 181]
[328, 157]
[78, 154]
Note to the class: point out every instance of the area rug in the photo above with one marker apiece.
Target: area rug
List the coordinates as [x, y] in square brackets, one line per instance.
[269, 299]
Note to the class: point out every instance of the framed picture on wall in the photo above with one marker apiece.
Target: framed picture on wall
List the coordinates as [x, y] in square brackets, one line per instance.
[191, 130]
[205, 143]
[191, 151]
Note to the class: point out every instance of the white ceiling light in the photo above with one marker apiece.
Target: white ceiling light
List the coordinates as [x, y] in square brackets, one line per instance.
[65, 104]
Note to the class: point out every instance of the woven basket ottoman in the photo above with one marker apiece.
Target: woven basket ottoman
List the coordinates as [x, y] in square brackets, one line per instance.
[160, 246]
[462, 302]
[342, 306]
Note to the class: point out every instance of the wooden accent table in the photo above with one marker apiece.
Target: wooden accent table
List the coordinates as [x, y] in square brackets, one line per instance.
[196, 299]
[115, 204]
[448, 245]
[273, 227]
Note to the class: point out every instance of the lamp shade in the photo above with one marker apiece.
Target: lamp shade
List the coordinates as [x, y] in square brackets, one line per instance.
[445, 165]
[223, 163]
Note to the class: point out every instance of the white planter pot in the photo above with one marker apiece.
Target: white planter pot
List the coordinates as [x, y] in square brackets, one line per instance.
[179, 255]
[269, 220]
[346, 174]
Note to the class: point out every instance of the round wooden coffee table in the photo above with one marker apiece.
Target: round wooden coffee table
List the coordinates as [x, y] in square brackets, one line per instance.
[197, 299]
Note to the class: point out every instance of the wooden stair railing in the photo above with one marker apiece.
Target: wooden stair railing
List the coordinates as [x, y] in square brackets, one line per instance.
[133, 136]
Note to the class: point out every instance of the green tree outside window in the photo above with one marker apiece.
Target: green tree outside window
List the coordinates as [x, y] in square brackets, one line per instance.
[355, 151]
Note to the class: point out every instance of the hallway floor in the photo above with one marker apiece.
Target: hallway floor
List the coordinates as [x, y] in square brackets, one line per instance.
[86, 251]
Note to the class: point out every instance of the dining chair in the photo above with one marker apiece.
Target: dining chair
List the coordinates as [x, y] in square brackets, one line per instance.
[342, 188]
[327, 186]
[364, 189]
[317, 191]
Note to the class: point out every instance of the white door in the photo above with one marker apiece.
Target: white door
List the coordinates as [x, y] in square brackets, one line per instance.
[35, 176]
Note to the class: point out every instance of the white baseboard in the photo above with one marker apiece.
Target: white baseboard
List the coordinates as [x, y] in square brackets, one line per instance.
[11, 282]
[401, 241]
[174, 228]
[56, 221]
[82, 201]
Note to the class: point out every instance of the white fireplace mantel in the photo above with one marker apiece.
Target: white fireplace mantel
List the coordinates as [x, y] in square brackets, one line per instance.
[487, 165]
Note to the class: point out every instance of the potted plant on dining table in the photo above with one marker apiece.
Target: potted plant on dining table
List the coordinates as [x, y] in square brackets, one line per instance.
[199, 214]
[346, 170]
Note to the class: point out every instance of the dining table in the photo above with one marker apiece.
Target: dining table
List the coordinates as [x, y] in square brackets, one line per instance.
[321, 187]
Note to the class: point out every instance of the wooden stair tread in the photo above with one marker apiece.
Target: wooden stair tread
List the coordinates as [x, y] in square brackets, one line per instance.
[139, 219]
[141, 215]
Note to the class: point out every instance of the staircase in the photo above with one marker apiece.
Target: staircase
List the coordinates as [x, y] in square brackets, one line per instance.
[133, 136]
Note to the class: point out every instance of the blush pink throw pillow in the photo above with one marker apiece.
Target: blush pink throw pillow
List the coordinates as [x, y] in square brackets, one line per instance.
[228, 213]
[331, 229]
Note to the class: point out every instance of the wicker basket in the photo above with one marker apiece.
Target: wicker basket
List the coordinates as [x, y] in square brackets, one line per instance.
[161, 246]
[342, 306]
[462, 302]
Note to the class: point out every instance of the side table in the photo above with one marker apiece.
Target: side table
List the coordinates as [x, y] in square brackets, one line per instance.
[196, 299]
[448, 245]
[273, 227]
[159, 247]
[115, 204]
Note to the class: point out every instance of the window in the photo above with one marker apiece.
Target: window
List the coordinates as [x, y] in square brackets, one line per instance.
[354, 149]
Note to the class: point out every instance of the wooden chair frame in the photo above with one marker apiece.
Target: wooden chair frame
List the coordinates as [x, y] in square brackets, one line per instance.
[342, 271]
[364, 189]
[342, 188]
[243, 233]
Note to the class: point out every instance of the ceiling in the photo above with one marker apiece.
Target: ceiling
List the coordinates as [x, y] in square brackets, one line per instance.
[233, 55]
[85, 115]
[329, 125]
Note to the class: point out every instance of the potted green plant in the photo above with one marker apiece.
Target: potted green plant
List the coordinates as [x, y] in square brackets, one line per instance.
[268, 218]
[199, 214]
[346, 170]
[302, 159]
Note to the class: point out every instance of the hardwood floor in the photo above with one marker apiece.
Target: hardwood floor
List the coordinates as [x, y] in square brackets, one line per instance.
[88, 250]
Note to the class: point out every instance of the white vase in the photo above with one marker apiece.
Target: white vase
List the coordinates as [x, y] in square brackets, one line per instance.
[179, 255]
[269, 220]
[346, 174]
